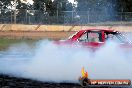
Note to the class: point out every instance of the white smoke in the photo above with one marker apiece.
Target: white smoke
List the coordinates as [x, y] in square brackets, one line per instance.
[56, 63]
[128, 35]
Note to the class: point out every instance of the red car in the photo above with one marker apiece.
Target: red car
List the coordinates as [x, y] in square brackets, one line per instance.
[95, 38]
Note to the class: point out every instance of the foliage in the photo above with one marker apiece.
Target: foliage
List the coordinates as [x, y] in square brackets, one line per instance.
[50, 8]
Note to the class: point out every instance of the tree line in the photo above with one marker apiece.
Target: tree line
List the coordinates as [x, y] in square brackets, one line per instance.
[56, 7]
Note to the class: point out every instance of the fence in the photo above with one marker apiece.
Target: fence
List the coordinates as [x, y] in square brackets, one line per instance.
[63, 17]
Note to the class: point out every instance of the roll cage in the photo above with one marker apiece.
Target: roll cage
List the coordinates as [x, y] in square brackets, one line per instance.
[98, 36]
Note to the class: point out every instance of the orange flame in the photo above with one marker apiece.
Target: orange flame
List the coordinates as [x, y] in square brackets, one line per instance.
[84, 73]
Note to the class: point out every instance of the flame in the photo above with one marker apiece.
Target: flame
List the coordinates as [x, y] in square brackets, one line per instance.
[84, 73]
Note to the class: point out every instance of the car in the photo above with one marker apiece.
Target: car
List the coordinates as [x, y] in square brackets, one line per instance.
[94, 38]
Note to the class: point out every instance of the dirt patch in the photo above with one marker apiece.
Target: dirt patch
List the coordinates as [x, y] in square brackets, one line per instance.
[23, 27]
[35, 34]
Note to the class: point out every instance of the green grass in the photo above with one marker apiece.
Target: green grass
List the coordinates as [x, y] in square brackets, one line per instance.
[5, 43]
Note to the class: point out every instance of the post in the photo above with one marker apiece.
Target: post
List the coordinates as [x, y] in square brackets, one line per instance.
[15, 11]
[88, 17]
[72, 15]
[26, 21]
[57, 14]
[11, 16]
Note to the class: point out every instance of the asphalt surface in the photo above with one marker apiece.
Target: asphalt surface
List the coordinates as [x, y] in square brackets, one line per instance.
[13, 82]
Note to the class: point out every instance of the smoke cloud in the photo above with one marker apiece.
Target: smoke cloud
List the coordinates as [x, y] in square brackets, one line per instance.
[49, 62]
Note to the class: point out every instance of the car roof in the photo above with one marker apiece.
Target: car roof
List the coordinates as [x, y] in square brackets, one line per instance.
[95, 29]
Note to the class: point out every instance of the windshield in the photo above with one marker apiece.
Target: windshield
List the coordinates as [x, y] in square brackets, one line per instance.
[118, 37]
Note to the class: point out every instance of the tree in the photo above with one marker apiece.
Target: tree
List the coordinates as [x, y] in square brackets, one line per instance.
[97, 10]
[5, 14]
[52, 6]
[124, 5]
[52, 10]
[4, 4]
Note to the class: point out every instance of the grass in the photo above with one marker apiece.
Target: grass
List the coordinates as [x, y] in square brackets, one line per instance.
[5, 43]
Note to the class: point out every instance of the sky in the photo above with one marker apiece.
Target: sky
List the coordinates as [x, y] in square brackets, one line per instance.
[72, 1]
[27, 1]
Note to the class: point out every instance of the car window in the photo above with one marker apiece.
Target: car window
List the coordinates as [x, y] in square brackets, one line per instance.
[115, 37]
[83, 38]
[93, 36]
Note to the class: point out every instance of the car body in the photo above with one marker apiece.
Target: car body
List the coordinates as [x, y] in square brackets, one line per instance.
[94, 38]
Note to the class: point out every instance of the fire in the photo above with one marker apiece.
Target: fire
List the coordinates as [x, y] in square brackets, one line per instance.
[84, 73]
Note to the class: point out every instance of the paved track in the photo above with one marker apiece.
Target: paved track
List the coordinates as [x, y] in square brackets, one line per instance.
[13, 82]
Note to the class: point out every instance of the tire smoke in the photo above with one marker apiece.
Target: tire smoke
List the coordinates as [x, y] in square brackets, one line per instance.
[49, 62]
